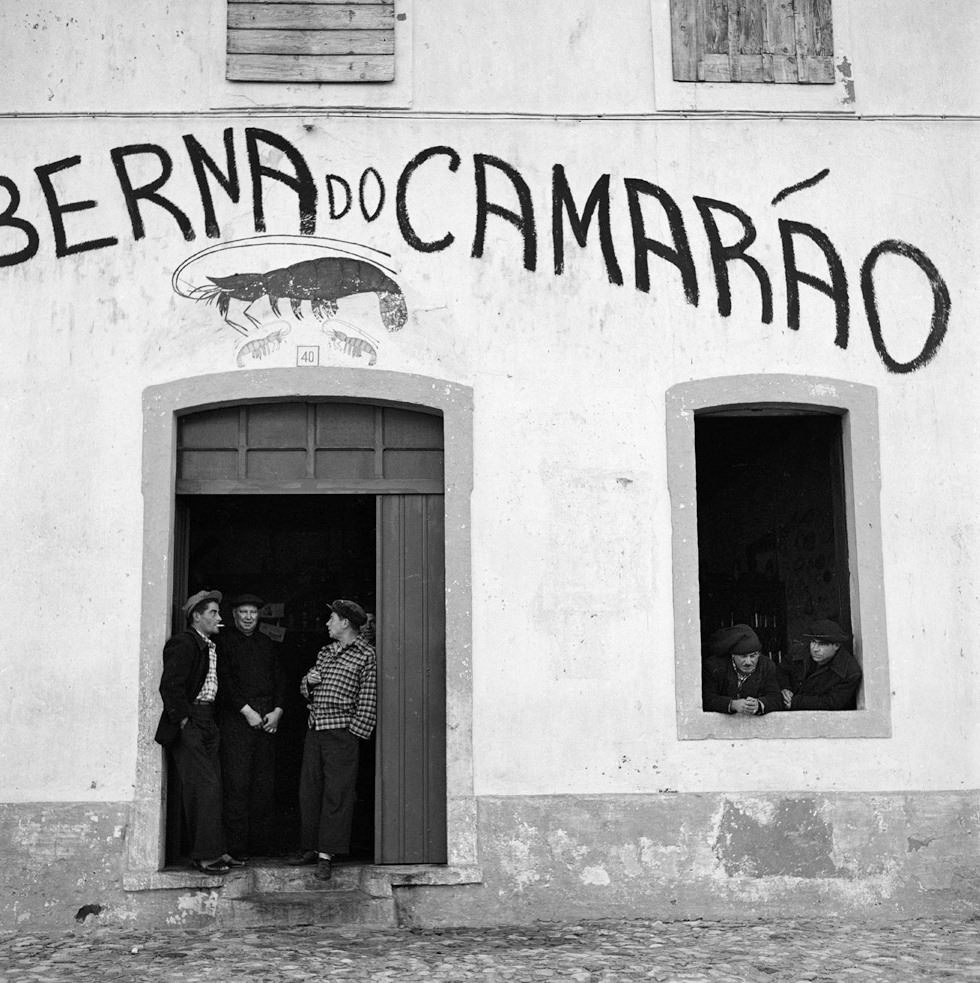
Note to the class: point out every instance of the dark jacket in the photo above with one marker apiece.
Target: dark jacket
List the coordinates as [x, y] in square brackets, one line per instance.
[249, 672]
[830, 686]
[185, 664]
[719, 684]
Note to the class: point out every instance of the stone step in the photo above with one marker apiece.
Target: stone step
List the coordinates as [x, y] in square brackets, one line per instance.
[335, 906]
[278, 877]
[270, 877]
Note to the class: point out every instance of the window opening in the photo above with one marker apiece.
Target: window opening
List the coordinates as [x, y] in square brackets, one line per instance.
[777, 478]
[772, 542]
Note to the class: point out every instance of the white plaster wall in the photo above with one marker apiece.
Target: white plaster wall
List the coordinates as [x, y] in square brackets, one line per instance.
[572, 657]
[551, 56]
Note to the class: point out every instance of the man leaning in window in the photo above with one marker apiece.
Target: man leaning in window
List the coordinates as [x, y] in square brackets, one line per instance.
[736, 677]
[827, 678]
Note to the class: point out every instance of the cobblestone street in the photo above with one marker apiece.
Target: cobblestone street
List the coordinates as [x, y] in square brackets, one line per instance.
[588, 952]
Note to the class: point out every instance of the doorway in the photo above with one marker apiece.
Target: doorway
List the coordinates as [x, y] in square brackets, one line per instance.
[297, 552]
[423, 518]
[303, 501]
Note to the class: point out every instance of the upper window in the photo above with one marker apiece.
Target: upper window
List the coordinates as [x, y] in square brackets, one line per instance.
[737, 56]
[752, 41]
[774, 487]
[311, 41]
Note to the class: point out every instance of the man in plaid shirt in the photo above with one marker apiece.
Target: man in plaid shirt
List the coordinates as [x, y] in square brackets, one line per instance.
[342, 691]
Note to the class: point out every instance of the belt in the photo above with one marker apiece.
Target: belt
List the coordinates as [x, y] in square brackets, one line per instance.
[203, 703]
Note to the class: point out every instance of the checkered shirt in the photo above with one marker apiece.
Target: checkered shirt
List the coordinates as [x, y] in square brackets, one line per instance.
[210, 688]
[347, 695]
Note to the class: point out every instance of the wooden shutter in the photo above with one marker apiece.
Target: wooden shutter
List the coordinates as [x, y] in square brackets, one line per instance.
[411, 775]
[311, 41]
[752, 41]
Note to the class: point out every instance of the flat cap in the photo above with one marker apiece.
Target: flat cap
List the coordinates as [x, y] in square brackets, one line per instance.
[825, 630]
[195, 599]
[352, 612]
[253, 599]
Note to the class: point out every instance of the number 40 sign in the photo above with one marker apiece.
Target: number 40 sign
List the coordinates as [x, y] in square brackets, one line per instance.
[307, 355]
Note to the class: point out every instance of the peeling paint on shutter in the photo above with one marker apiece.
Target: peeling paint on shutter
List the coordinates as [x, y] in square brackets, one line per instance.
[752, 41]
[311, 41]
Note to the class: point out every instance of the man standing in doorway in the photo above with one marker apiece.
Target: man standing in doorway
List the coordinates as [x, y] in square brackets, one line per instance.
[342, 692]
[189, 686]
[251, 688]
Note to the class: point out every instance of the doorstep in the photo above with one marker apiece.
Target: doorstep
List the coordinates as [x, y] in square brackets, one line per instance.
[376, 880]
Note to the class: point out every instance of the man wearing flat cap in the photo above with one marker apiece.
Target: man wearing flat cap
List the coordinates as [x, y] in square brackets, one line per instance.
[251, 689]
[828, 677]
[739, 678]
[189, 687]
[341, 690]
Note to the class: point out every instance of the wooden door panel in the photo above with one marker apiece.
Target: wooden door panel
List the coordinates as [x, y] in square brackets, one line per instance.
[411, 772]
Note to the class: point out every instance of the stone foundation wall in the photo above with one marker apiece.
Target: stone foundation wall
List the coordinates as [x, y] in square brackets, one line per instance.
[55, 858]
[666, 856]
[716, 856]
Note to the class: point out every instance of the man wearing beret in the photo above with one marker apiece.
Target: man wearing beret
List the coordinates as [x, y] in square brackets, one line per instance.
[342, 692]
[189, 686]
[740, 679]
[828, 677]
[251, 689]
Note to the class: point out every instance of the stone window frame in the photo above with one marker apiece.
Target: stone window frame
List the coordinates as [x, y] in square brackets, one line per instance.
[162, 404]
[858, 407]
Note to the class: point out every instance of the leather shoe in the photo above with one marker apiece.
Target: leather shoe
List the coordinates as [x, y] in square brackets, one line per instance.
[323, 870]
[214, 867]
[303, 859]
[233, 860]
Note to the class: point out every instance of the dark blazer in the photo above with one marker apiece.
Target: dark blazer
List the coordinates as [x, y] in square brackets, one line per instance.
[185, 665]
[719, 684]
[831, 686]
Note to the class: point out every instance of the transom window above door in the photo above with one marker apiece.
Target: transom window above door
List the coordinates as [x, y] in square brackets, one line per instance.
[326, 446]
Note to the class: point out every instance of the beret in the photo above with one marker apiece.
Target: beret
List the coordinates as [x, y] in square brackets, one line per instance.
[738, 639]
[745, 641]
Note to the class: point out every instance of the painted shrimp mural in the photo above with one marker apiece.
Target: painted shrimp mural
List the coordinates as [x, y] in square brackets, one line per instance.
[322, 282]
[322, 274]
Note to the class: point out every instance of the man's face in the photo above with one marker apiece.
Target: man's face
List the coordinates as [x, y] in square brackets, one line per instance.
[246, 618]
[208, 622]
[747, 662]
[821, 651]
[336, 625]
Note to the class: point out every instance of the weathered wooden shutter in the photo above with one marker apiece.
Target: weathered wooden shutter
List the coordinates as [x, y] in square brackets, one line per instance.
[752, 41]
[411, 776]
[311, 41]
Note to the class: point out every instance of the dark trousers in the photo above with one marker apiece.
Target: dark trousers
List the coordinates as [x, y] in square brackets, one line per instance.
[248, 771]
[326, 790]
[198, 763]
